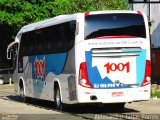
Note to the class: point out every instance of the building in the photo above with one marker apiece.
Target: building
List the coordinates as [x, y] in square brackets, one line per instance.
[152, 9]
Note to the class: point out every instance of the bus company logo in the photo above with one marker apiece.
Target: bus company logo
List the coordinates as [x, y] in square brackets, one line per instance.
[117, 67]
[39, 67]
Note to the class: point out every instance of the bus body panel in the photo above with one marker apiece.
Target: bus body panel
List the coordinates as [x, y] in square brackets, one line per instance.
[42, 71]
[113, 95]
[117, 74]
[115, 66]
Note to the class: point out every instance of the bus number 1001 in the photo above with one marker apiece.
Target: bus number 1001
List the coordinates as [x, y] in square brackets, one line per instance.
[117, 67]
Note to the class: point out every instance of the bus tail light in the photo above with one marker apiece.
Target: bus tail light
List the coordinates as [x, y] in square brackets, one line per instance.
[139, 12]
[83, 76]
[86, 14]
[147, 76]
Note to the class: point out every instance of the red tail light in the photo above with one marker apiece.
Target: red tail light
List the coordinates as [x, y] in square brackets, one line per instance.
[139, 12]
[86, 14]
[147, 77]
[83, 76]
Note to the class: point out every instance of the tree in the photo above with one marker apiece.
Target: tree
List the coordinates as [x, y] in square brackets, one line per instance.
[16, 13]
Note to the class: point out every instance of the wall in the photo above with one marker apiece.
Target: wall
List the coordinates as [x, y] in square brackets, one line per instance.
[154, 18]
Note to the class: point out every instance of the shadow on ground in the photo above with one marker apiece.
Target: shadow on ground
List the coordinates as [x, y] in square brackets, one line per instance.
[75, 109]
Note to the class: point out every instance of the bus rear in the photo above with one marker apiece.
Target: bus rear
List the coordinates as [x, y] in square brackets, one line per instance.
[113, 60]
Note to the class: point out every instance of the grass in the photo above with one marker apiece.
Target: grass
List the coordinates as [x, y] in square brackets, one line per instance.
[155, 94]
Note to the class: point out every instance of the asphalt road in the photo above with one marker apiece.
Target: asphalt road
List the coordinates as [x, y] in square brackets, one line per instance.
[12, 109]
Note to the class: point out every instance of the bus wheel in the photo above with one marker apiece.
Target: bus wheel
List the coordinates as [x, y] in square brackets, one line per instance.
[57, 99]
[22, 96]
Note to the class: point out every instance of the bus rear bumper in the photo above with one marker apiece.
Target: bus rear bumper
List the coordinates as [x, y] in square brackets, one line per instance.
[113, 96]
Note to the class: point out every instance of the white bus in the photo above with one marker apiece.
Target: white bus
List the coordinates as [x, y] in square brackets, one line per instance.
[93, 57]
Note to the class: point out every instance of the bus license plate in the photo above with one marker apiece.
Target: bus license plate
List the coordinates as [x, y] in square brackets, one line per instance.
[117, 94]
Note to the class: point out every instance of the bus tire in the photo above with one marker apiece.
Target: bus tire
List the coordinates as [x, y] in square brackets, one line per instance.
[22, 96]
[57, 99]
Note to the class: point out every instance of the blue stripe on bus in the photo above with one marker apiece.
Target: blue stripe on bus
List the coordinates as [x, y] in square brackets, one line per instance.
[130, 51]
[140, 66]
[53, 63]
[95, 78]
[56, 62]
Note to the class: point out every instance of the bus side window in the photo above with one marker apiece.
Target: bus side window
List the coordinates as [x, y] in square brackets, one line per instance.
[22, 45]
[72, 27]
[40, 41]
[50, 39]
[69, 35]
[22, 52]
[30, 44]
[61, 43]
[58, 39]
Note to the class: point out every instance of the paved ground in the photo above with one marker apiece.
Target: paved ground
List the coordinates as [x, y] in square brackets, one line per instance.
[10, 107]
[147, 107]
[9, 103]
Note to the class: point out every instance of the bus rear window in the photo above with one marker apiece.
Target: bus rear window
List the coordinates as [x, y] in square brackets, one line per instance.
[117, 24]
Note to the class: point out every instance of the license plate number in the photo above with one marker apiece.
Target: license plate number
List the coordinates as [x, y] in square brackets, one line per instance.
[117, 94]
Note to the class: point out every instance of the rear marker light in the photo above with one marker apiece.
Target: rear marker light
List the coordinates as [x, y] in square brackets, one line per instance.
[148, 78]
[139, 12]
[145, 90]
[83, 76]
[86, 14]
[147, 75]
[87, 93]
[83, 83]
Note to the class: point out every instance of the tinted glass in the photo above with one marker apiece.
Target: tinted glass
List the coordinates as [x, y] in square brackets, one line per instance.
[114, 25]
[4, 71]
[53, 39]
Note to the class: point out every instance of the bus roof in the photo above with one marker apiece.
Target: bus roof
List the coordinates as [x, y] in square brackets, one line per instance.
[48, 22]
[64, 18]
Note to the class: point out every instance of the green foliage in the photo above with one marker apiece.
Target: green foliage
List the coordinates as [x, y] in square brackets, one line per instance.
[74, 6]
[14, 14]
[17, 13]
[155, 93]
